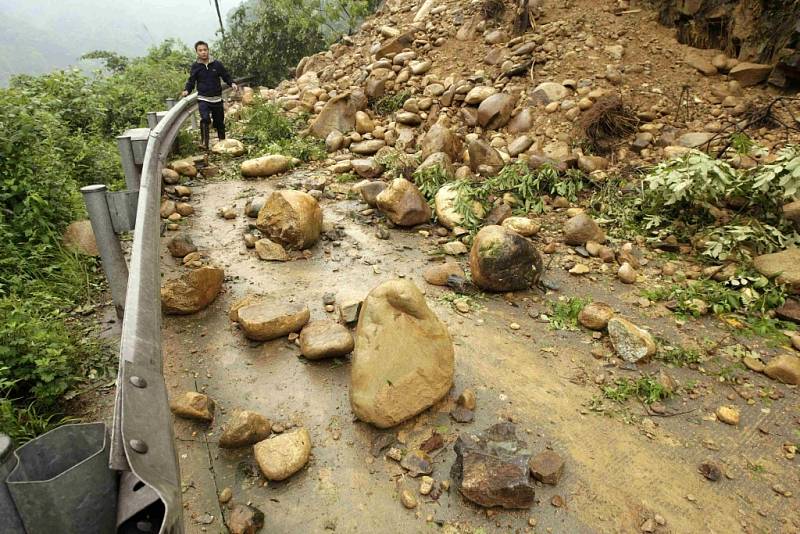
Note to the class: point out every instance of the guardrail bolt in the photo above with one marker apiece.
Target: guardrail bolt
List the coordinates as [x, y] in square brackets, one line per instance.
[138, 381]
[138, 446]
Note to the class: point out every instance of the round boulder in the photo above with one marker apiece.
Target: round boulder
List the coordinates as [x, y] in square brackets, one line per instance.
[502, 260]
[292, 219]
[228, 147]
[192, 291]
[403, 361]
[403, 204]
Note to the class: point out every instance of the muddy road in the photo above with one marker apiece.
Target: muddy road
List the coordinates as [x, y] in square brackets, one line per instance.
[628, 469]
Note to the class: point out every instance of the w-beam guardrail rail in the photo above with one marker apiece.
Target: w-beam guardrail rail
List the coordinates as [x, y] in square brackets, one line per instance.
[77, 478]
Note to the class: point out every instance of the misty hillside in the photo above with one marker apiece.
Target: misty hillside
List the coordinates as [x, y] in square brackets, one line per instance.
[38, 36]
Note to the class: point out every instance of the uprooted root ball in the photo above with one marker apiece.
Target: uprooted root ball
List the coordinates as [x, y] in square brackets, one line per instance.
[606, 122]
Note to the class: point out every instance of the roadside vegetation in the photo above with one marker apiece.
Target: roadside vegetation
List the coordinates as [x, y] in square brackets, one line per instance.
[56, 135]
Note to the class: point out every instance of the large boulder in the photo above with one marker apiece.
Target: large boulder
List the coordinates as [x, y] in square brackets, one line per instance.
[785, 266]
[192, 291]
[445, 203]
[79, 237]
[264, 320]
[491, 468]
[281, 456]
[502, 260]
[403, 358]
[338, 114]
[325, 339]
[292, 219]
[440, 138]
[403, 204]
[495, 111]
[266, 165]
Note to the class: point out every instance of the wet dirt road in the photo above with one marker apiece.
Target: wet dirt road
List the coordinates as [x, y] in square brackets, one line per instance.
[621, 469]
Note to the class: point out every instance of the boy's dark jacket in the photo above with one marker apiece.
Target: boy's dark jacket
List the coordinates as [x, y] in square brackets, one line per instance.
[207, 78]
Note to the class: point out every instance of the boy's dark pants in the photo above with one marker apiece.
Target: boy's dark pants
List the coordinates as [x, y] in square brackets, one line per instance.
[212, 112]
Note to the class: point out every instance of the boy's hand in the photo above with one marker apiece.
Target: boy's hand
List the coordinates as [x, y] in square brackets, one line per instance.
[235, 88]
[184, 93]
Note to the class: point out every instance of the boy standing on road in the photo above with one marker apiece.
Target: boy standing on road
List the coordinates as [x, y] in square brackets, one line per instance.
[205, 73]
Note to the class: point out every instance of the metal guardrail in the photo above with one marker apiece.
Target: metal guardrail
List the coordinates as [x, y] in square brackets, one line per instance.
[67, 480]
[142, 438]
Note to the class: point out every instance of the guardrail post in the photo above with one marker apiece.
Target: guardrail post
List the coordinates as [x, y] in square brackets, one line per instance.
[171, 102]
[107, 243]
[132, 145]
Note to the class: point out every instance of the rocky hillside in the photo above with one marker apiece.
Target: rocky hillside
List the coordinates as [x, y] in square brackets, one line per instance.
[442, 61]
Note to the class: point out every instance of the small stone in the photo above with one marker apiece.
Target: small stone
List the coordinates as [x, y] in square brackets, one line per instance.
[437, 274]
[491, 468]
[580, 268]
[467, 399]
[425, 485]
[282, 456]
[627, 274]
[710, 470]
[595, 315]
[408, 499]
[245, 428]
[395, 454]
[514, 326]
[648, 526]
[728, 415]
[784, 368]
[754, 364]
[454, 248]
[462, 415]
[582, 228]
[225, 495]
[630, 342]
[268, 250]
[417, 463]
[193, 405]
[325, 339]
[245, 519]
[547, 467]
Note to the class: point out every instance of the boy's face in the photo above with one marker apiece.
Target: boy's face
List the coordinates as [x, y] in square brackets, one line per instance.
[202, 52]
